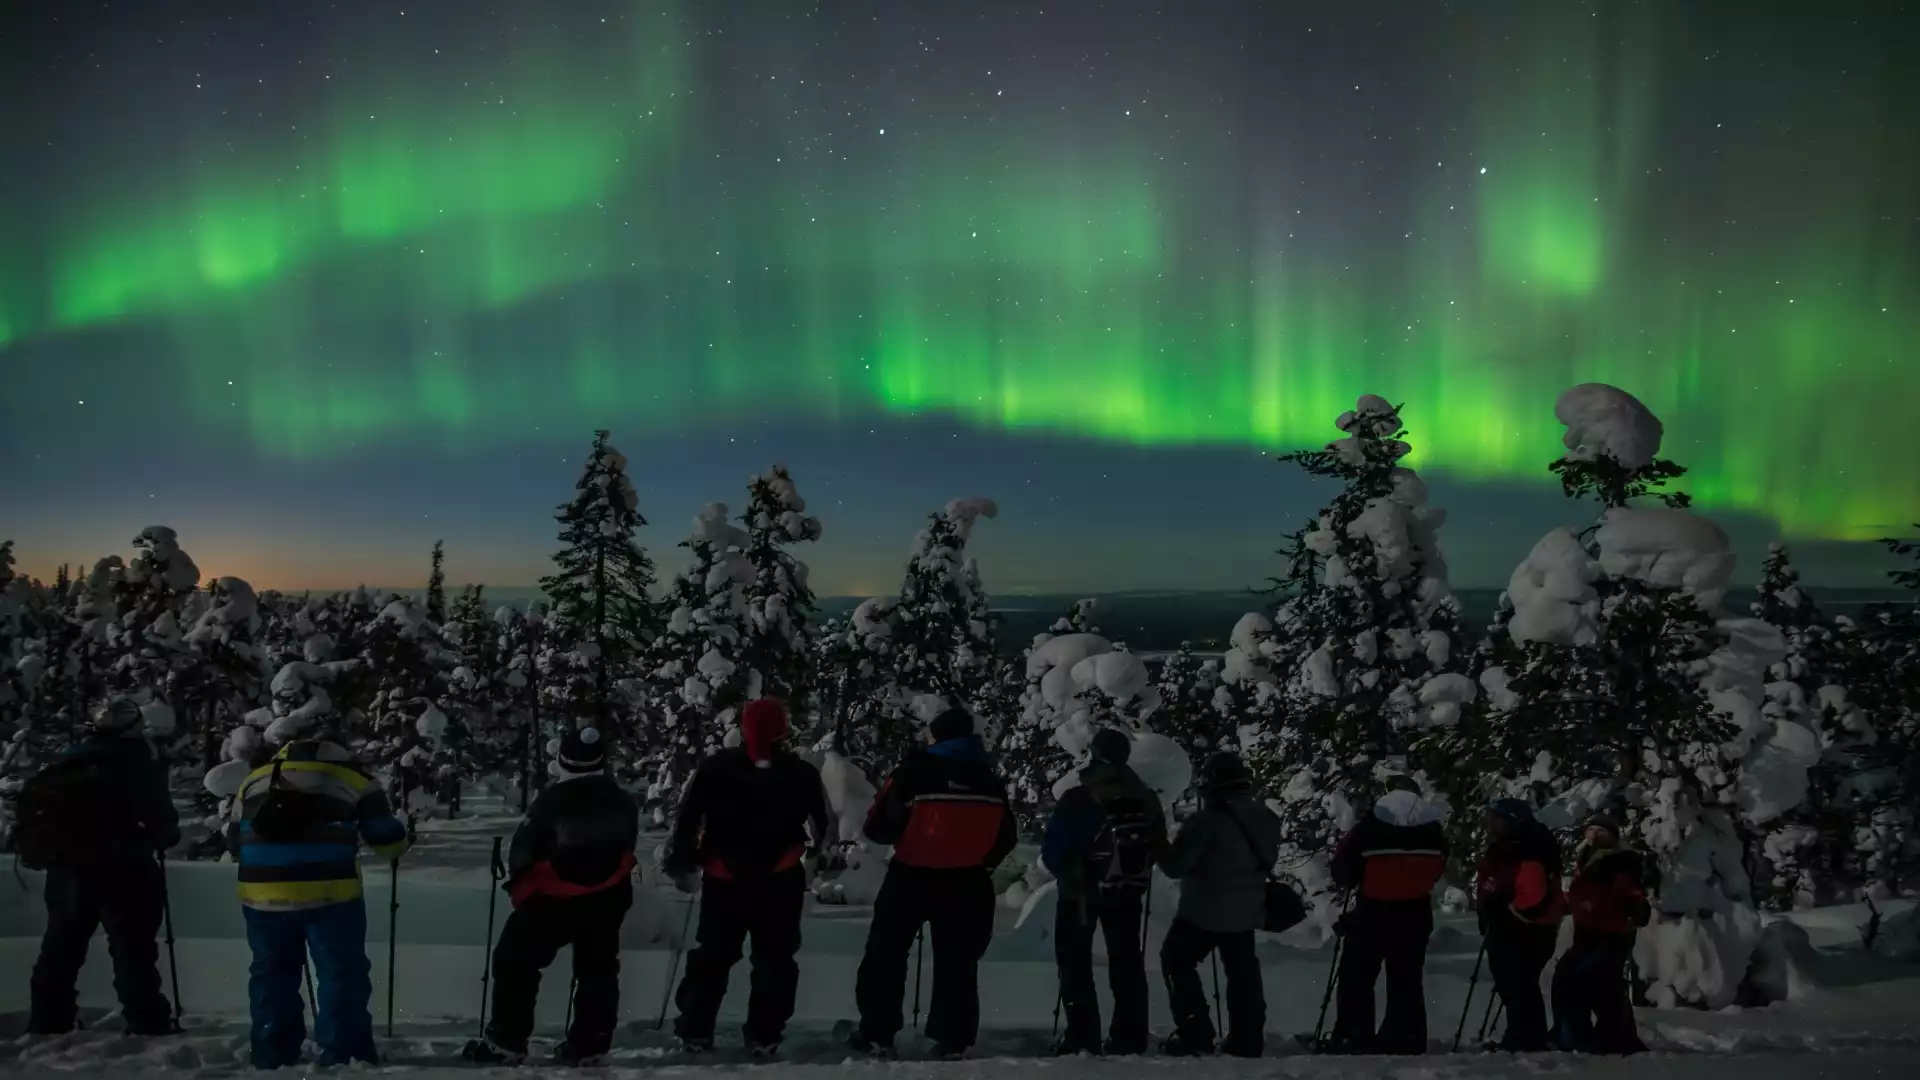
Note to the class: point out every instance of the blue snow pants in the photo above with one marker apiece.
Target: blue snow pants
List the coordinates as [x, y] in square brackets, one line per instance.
[336, 936]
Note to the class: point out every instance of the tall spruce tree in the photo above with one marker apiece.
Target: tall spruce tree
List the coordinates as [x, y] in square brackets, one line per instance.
[603, 615]
[780, 604]
[1808, 852]
[935, 646]
[1373, 626]
[437, 585]
[700, 675]
[1629, 690]
[1881, 660]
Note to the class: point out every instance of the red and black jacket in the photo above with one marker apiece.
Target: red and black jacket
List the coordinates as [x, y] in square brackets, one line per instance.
[1519, 876]
[944, 808]
[738, 820]
[578, 838]
[1608, 894]
[1391, 863]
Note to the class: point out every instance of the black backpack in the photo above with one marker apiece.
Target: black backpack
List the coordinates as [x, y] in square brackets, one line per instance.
[71, 812]
[1122, 859]
[288, 813]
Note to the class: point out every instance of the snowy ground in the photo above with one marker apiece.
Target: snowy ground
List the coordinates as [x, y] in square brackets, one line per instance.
[1854, 1014]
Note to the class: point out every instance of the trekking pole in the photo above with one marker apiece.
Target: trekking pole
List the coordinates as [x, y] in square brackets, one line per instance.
[498, 869]
[1146, 915]
[572, 992]
[313, 1003]
[1491, 1018]
[1467, 1005]
[919, 955]
[1058, 999]
[1333, 972]
[1219, 1024]
[173, 961]
[393, 937]
[679, 950]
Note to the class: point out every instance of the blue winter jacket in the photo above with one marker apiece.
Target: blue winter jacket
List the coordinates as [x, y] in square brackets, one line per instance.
[142, 784]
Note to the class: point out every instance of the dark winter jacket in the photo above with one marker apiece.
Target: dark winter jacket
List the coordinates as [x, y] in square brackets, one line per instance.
[1395, 854]
[128, 764]
[1519, 878]
[320, 866]
[1607, 894]
[944, 808]
[578, 838]
[738, 820]
[1223, 882]
[1075, 824]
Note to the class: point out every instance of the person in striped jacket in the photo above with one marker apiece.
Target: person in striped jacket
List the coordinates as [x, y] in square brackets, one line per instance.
[1391, 860]
[296, 829]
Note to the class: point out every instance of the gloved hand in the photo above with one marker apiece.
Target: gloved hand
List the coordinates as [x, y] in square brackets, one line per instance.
[688, 882]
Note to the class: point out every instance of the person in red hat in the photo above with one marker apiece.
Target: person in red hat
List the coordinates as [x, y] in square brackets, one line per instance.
[740, 839]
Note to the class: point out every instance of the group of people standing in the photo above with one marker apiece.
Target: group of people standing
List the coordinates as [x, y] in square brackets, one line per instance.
[751, 826]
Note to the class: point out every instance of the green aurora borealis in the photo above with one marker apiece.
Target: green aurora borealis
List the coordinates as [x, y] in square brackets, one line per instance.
[652, 223]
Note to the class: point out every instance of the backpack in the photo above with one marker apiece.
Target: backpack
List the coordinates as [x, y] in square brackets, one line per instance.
[288, 813]
[1122, 858]
[70, 810]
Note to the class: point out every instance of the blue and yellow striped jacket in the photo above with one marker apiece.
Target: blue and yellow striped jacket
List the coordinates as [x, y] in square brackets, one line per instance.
[323, 866]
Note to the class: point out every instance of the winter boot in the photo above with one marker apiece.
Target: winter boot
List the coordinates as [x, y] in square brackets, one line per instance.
[1068, 1046]
[1177, 1046]
[488, 1052]
[695, 1046]
[762, 1053]
[944, 1052]
[859, 1043]
[566, 1056]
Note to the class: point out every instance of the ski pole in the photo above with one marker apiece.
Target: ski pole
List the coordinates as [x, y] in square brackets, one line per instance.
[673, 972]
[572, 992]
[1467, 1005]
[173, 961]
[1058, 998]
[1491, 1018]
[1219, 1024]
[1333, 972]
[393, 937]
[498, 869]
[313, 1003]
[1146, 914]
[919, 955]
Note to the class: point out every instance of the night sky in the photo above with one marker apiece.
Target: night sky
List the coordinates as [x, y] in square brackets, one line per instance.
[319, 283]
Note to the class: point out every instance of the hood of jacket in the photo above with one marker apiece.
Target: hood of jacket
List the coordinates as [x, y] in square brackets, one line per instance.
[1407, 809]
[961, 748]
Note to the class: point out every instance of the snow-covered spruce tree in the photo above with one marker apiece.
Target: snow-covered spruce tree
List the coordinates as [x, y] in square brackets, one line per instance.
[936, 647]
[14, 623]
[1187, 713]
[437, 585]
[409, 663]
[231, 677]
[780, 605]
[1881, 658]
[1808, 852]
[481, 732]
[1029, 757]
[699, 676]
[1631, 692]
[603, 616]
[1374, 626]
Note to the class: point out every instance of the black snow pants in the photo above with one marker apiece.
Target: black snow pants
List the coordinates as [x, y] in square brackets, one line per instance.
[768, 908]
[1591, 1010]
[533, 936]
[1517, 952]
[957, 908]
[1118, 918]
[1180, 955]
[1392, 935]
[125, 898]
